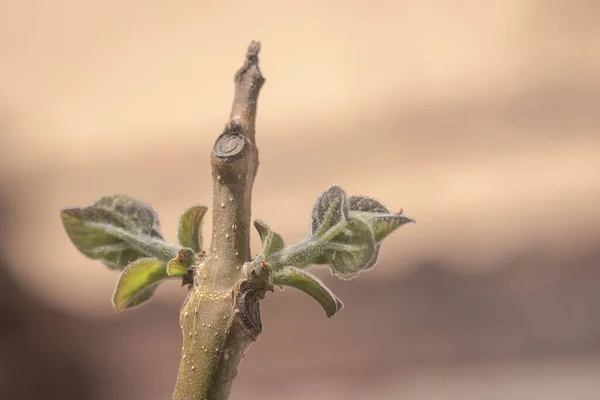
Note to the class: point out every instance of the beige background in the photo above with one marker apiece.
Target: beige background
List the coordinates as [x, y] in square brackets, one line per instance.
[479, 119]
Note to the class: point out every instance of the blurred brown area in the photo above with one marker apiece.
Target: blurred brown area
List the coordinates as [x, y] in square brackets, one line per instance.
[480, 119]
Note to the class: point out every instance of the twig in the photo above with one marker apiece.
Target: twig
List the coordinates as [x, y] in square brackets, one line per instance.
[220, 318]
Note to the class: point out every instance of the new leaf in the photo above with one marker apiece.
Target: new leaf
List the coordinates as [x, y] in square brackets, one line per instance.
[190, 225]
[311, 285]
[117, 230]
[138, 282]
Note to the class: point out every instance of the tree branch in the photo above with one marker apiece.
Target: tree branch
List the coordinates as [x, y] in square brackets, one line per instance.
[220, 318]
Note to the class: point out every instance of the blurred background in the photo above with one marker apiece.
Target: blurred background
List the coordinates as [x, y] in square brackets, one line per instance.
[480, 119]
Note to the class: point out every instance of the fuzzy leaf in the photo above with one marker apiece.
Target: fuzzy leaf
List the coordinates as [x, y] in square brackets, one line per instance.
[366, 204]
[116, 230]
[346, 233]
[374, 258]
[179, 265]
[329, 210]
[138, 282]
[376, 215]
[190, 225]
[383, 224]
[350, 250]
[311, 285]
[272, 242]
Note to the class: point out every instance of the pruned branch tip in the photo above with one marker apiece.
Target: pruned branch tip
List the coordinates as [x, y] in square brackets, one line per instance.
[248, 81]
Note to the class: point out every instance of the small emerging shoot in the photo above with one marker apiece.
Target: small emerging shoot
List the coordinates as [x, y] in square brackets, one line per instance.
[220, 317]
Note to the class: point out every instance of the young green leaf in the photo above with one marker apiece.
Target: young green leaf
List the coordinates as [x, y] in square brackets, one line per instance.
[366, 204]
[344, 242]
[382, 224]
[371, 263]
[138, 282]
[117, 230]
[190, 225]
[272, 242]
[329, 210]
[376, 215]
[179, 265]
[346, 232]
[311, 285]
[349, 249]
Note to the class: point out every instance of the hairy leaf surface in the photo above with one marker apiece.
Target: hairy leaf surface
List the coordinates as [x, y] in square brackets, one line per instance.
[272, 242]
[311, 285]
[179, 265]
[138, 282]
[190, 225]
[117, 230]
